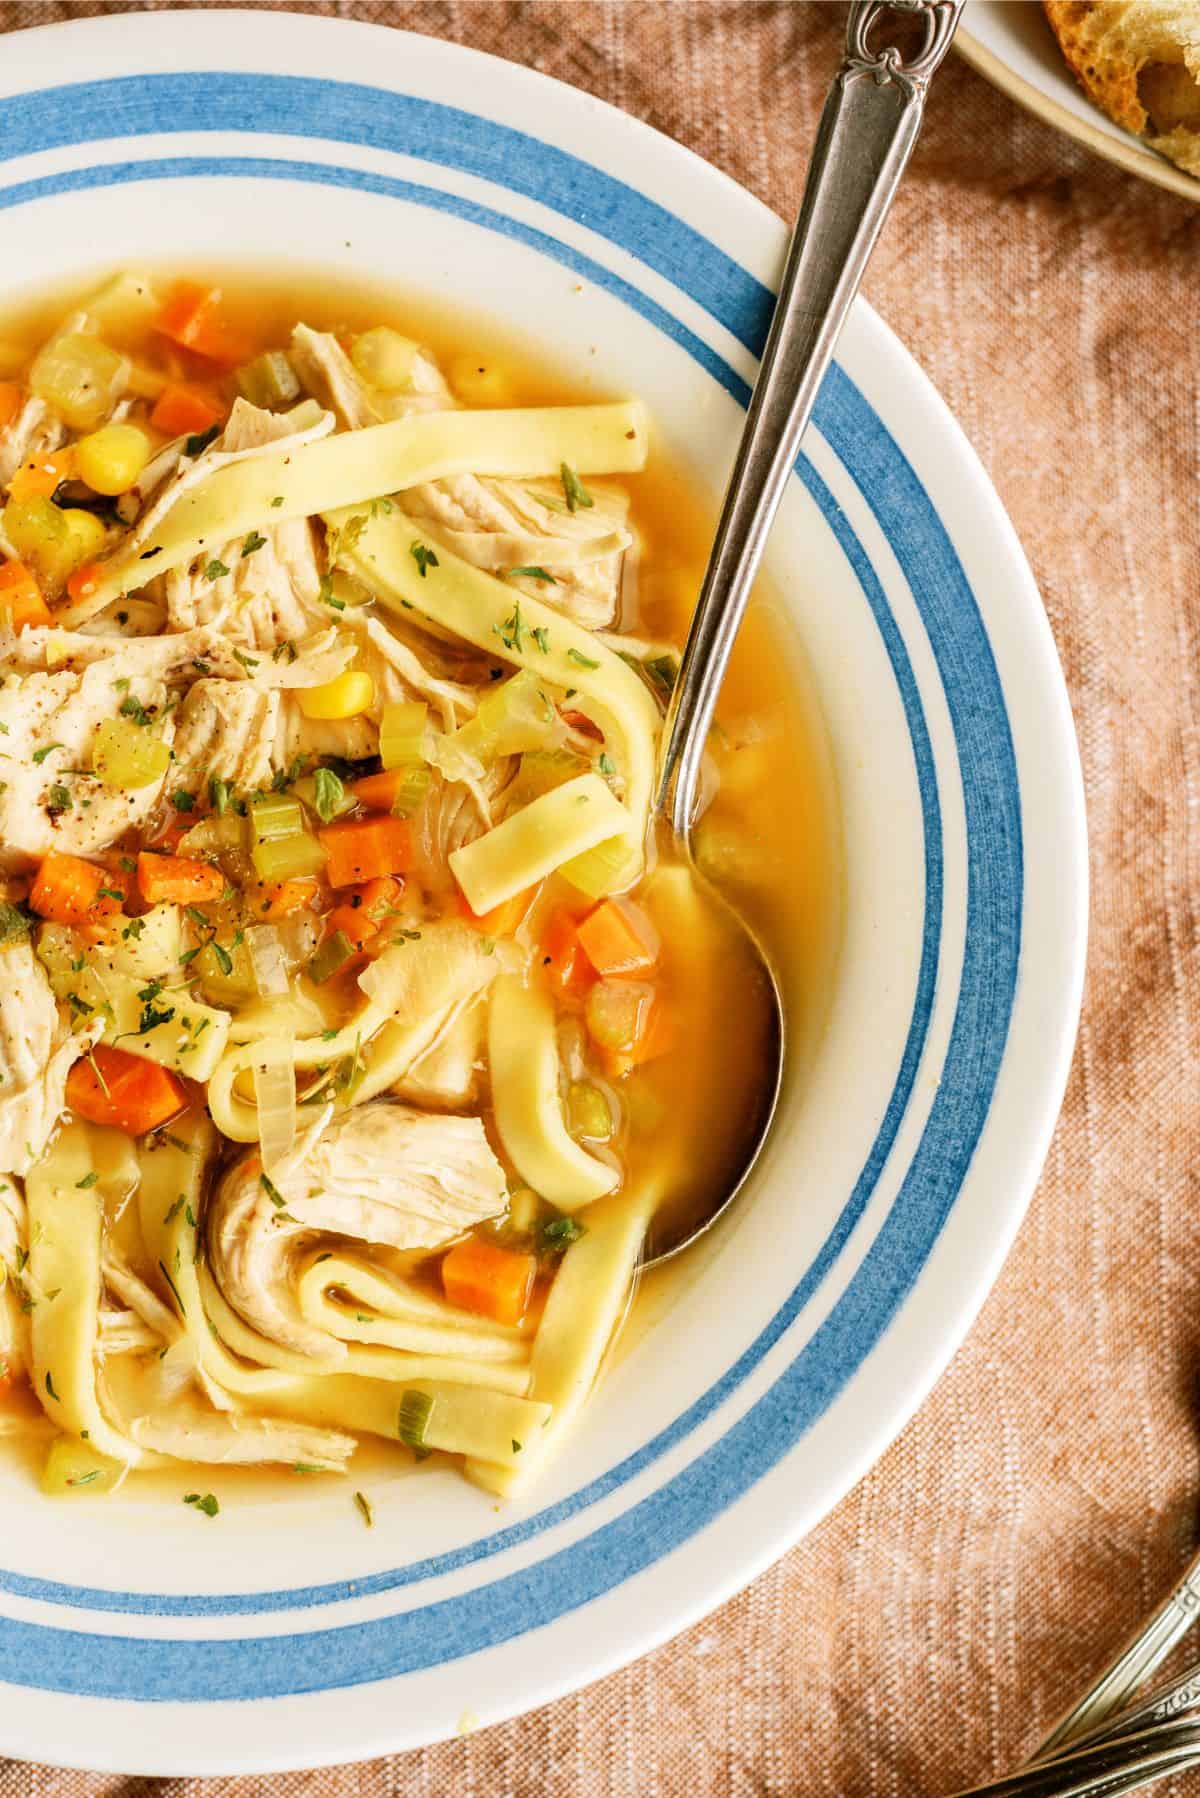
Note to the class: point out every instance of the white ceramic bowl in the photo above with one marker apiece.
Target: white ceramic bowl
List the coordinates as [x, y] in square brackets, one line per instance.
[139, 1637]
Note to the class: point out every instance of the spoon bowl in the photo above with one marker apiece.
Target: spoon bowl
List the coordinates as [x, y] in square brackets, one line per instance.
[868, 128]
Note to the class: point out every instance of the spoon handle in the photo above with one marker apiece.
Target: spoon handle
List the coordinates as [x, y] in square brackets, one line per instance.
[866, 135]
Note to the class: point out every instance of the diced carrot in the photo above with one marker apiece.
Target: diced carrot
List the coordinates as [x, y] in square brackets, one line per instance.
[566, 967]
[618, 938]
[38, 478]
[69, 890]
[480, 1276]
[182, 411]
[22, 597]
[171, 835]
[365, 850]
[125, 1091]
[503, 919]
[629, 1023]
[272, 899]
[10, 402]
[379, 792]
[82, 584]
[586, 726]
[364, 910]
[177, 880]
[192, 317]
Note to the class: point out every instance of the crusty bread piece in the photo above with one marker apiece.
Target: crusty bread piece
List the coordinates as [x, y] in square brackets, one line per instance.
[1139, 61]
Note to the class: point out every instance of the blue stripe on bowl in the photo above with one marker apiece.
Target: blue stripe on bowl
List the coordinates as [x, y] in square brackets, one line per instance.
[127, 1667]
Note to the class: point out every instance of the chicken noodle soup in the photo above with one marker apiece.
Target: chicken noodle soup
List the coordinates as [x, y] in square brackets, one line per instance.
[352, 1028]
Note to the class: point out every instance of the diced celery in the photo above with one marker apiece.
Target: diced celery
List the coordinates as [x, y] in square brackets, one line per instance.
[50, 541]
[542, 770]
[59, 950]
[598, 871]
[524, 1208]
[402, 732]
[384, 358]
[614, 1013]
[126, 755]
[287, 858]
[333, 955]
[410, 794]
[124, 308]
[226, 971]
[513, 717]
[74, 1466]
[720, 851]
[80, 377]
[588, 1112]
[275, 815]
[335, 804]
[270, 380]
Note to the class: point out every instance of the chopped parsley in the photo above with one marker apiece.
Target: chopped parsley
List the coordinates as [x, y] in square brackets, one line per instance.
[152, 1016]
[286, 648]
[39, 755]
[272, 1191]
[327, 596]
[132, 707]
[363, 1505]
[557, 1233]
[577, 655]
[222, 956]
[88, 1180]
[218, 794]
[182, 800]
[607, 765]
[50, 1389]
[574, 491]
[59, 800]
[196, 446]
[249, 663]
[328, 794]
[254, 541]
[163, 1270]
[536, 574]
[423, 557]
[110, 893]
[215, 569]
[541, 637]
[14, 924]
[208, 1504]
[134, 929]
[278, 500]
[513, 629]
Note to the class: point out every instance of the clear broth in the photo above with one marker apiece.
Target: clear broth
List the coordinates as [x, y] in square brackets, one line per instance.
[777, 863]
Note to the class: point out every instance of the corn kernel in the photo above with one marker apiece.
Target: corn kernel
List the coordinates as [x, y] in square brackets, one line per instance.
[86, 533]
[345, 697]
[112, 458]
[479, 382]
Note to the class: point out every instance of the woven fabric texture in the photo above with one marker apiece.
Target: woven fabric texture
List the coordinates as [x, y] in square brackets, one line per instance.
[1045, 1495]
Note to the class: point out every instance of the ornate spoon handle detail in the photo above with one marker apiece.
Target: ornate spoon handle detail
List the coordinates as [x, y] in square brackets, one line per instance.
[866, 135]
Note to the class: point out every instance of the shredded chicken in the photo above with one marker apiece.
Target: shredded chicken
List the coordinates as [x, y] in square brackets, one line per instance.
[381, 1173]
[227, 729]
[190, 1434]
[271, 593]
[51, 800]
[36, 1053]
[35, 431]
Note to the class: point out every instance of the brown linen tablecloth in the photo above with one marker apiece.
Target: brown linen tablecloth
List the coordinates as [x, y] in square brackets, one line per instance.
[1046, 1493]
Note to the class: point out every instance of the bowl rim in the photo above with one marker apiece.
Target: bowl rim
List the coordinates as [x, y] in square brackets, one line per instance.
[880, 343]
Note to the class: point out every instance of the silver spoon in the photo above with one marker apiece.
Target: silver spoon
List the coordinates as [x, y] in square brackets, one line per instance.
[866, 135]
